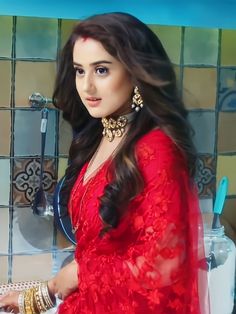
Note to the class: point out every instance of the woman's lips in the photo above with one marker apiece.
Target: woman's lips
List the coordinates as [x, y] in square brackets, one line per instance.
[93, 101]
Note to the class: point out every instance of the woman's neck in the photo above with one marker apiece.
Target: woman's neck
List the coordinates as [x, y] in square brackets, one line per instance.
[113, 128]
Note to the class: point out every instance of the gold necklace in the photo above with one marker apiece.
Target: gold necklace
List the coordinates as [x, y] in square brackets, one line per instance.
[86, 179]
[76, 226]
[86, 187]
[114, 133]
[116, 127]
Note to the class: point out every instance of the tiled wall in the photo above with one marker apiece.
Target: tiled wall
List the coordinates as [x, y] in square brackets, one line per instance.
[205, 61]
[28, 52]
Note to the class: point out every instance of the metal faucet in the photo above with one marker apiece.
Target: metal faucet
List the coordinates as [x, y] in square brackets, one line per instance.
[37, 100]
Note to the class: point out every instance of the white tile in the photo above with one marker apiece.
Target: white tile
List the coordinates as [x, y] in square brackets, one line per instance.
[61, 260]
[4, 181]
[3, 269]
[4, 230]
[31, 267]
[31, 233]
[206, 205]
[27, 133]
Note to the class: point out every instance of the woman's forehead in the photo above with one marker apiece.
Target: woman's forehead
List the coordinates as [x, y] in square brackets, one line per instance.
[90, 50]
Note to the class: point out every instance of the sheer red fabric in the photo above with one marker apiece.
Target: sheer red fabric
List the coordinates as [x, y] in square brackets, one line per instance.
[149, 263]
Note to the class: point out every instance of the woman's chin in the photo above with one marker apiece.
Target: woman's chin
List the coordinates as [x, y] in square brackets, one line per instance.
[97, 114]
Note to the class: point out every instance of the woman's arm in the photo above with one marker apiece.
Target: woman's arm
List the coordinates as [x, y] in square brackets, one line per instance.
[151, 265]
[65, 282]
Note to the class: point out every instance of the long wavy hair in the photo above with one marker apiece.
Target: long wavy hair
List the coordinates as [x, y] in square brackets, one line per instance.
[140, 51]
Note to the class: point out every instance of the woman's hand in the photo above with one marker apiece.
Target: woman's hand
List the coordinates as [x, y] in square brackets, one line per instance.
[65, 282]
[9, 302]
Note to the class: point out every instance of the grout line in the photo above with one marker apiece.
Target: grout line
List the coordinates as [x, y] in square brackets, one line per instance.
[181, 61]
[29, 59]
[40, 252]
[12, 105]
[56, 142]
[217, 109]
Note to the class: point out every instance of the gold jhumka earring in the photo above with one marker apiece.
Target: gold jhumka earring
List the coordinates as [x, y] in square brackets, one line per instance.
[137, 103]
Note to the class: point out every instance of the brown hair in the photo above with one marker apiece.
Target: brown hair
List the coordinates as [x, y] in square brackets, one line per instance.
[142, 54]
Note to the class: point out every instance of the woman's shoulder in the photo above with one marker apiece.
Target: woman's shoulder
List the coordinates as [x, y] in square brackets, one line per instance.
[157, 145]
[155, 140]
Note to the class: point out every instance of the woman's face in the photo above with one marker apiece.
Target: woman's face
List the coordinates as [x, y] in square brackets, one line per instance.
[102, 82]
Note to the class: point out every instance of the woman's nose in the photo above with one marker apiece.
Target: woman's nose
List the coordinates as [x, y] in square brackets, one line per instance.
[88, 83]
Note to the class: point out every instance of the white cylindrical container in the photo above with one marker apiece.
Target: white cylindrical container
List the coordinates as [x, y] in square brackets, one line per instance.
[221, 257]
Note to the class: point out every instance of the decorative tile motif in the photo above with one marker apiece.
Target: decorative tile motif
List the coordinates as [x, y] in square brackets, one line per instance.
[206, 175]
[203, 123]
[227, 90]
[36, 38]
[26, 177]
[200, 46]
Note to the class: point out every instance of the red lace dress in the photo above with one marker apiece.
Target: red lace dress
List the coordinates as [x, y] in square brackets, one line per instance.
[149, 263]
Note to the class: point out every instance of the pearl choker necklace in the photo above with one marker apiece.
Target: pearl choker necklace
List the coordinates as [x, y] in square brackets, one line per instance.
[116, 127]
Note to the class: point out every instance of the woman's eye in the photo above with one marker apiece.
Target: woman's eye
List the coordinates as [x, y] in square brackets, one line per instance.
[101, 70]
[79, 71]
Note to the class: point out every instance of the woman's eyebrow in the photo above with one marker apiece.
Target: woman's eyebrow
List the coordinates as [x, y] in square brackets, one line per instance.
[94, 63]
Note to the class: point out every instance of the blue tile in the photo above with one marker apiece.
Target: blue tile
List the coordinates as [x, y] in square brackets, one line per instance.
[227, 90]
[36, 38]
[203, 123]
[27, 133]
[4, 181]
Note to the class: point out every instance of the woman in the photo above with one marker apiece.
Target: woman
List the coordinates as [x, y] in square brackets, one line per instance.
[129, 187]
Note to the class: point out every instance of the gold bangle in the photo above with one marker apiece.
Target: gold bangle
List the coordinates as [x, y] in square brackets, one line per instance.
[32, 301]
[28, 293]
[39, 300]
[21, 302]
[35, 300]
[48, 300]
